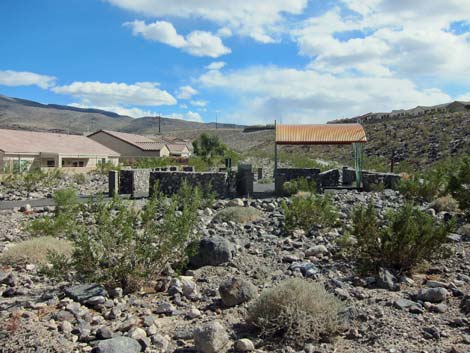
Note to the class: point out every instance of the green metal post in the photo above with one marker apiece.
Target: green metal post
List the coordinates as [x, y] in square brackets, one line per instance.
[275, 151]
[358, 162]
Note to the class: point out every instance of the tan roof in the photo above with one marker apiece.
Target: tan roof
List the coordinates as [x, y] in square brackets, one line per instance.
[320, 134]
[139, 141]
[19, 141]
[176, 147]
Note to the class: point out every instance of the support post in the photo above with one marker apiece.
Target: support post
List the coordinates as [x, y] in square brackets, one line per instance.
[275, 151]
[358, 149]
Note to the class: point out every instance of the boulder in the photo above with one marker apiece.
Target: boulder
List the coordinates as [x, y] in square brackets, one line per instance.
[118, 344]
[244, 345]
[212, 251]
[465, 304]
[236, 291]
[387, 280]
[432, 295]
[82, 293]
[211, 338]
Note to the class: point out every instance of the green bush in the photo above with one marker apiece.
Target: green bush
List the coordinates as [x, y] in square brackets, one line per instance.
[295, 312]
[208, 146]
[421, 188]
[34, 178]
[459, 185]
[403, 240]
[238, 214]
[105, 167]
[123, 246]
[308, 212]
[79, 178]
[292, 187]
[64, 221]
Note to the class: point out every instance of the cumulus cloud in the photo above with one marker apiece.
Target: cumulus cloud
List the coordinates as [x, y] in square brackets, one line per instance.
[258, 19]
[188, 116]
[25, 78]
[307, 96]
[117, 94]
[186, 92]
[197, 43]
[216, 65]
[389, 38]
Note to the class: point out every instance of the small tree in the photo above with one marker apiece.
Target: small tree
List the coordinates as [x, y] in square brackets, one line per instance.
[459, 185]
[208, 146]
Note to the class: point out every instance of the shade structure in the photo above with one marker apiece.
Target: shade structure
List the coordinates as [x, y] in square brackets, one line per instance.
[324, 134]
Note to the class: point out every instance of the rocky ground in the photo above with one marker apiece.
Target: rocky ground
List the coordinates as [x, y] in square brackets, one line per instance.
[205, 309]
[89, 184]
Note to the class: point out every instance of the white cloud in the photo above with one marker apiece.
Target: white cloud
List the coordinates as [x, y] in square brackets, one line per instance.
[117, 94]
[464, 97]
[199, 103]
[130, 111]
[216, 65]
[307, 96]
[197, 43]
[188, 116]
[259, 19]
[186, 92]
[392, 38]
[25, 78]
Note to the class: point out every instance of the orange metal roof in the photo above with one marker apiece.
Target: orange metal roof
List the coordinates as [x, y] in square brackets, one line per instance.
[320, 134]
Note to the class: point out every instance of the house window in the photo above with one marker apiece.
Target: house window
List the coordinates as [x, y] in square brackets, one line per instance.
[103, 160]
[50, 163]
[81, 164]
[75, 164]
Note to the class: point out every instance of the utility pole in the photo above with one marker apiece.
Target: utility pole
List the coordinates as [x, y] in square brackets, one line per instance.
[159, 123]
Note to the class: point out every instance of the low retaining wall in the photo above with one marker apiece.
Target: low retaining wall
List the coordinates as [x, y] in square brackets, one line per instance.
[170, 182]
[287, 174]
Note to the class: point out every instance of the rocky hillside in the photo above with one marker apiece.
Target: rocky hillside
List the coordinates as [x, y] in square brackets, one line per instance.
[24, 114]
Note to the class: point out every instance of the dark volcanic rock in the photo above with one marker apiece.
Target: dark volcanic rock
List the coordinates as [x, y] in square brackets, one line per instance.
[213, 251]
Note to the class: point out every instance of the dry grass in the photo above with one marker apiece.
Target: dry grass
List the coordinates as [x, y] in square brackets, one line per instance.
[296, 312]
[445, 203]
[35, 251]
[238, 214]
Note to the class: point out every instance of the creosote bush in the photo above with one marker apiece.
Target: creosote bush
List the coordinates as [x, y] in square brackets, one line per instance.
[296, 311]
[300, 184]
[459, 185]
[238, 214]
[120, 246]
[406, 238]
[36, 251]
[309, 211]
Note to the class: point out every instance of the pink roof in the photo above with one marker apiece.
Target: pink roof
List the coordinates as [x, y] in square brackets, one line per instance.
[19, 141]
[142, 142]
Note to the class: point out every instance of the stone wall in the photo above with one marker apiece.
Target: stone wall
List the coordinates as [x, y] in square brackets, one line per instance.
[134, 182]
[287, 174]
[329, 178]
[170, 182]
[387, 180]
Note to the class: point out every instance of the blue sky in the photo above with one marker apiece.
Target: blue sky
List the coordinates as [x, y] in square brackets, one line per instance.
[250, 61]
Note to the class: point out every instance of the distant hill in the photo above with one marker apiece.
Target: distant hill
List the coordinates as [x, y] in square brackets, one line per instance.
[16, 113]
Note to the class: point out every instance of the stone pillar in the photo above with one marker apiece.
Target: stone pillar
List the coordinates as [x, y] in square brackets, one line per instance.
[113, 183]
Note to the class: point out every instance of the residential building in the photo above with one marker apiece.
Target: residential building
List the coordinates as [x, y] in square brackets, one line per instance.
[130, 146]
[23, 150]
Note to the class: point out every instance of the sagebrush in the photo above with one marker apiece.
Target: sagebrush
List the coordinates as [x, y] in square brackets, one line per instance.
[296, 311]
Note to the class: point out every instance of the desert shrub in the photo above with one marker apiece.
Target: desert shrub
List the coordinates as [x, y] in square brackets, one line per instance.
[124, 246]
[79, 178]
[64, 221]
[34, 178]
[445, 203]
[296, 311]
[459, 185]
[208, 146]
[292, 187]
[105, 167]
[36, 251]
[265, 180]
[421, 188]
[309, 212]
[238, 214]
[405, 238]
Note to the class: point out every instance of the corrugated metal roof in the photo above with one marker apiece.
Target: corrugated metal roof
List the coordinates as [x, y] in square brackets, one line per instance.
[320, 134]
[20, 141]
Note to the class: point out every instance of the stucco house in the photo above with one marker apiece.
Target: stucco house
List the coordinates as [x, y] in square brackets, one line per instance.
[23, 150]
[178, 150]
[130, 146]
